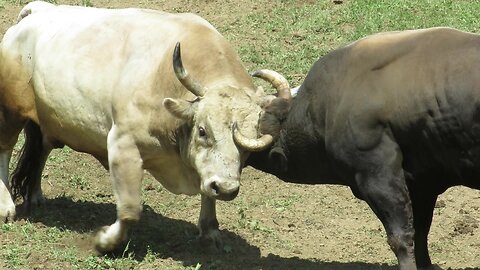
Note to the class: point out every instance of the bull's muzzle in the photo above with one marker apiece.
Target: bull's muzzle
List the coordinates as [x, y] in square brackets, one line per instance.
[221, 189]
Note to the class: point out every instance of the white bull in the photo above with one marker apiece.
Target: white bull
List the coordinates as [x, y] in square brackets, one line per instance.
[101, 81]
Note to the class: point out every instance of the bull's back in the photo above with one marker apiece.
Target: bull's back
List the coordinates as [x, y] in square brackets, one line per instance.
[86, 63]
[423, 85]
[414, 71]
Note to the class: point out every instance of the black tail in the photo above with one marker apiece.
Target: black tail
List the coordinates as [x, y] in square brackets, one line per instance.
[25, 174]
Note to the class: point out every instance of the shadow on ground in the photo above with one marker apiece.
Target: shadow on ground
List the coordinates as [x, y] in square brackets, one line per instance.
[176, 239]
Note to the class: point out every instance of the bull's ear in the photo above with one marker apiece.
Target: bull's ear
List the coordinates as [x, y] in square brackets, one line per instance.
[180, 108]
[263, 99]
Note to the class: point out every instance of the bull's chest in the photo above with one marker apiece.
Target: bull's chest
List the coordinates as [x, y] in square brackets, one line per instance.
[174, 174]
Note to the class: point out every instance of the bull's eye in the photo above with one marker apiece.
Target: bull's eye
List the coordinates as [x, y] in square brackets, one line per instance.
[201, 132]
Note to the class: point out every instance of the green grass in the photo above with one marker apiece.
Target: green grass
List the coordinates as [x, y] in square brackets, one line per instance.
[378, 16]
[291, 37]
[44, 242]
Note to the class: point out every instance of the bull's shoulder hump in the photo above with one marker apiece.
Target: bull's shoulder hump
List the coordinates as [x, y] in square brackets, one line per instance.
[406, 38]
[77, 16]
[379, 50]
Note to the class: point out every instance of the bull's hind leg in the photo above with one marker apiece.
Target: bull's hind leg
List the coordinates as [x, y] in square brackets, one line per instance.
[26, 178]
[382, 185]
[7, 206]
[423, 203]
[10, 128]
[126, 173]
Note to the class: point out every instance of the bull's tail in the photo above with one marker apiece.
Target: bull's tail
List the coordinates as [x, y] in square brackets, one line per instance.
[25, 175]
[33, 7]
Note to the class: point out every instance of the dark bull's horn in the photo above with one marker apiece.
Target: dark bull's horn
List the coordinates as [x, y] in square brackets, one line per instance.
[183, 76]
[249, 144]
[277, 80]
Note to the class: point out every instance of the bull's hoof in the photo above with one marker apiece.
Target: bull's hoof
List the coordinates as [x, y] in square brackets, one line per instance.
[108, 238]
[211, 240]
[28, 206]
[37, 200]
[7, 213]
[104, 242]
[7, 217]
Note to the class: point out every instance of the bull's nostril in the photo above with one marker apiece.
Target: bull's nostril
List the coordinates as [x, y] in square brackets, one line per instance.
[215, 187]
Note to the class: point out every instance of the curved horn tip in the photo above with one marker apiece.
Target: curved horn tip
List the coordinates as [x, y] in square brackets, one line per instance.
[277, 80]
[177, 48]
[177, 60]
[182, 74]
[254, 73]
[258, 73]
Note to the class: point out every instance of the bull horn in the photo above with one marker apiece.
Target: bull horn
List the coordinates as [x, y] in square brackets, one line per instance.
[196, 88]
[277, 80]
[249, 144]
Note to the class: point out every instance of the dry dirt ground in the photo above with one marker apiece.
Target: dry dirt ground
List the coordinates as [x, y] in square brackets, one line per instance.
[271, 225]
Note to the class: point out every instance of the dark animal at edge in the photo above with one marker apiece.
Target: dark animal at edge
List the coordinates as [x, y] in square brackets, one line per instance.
[394, 116]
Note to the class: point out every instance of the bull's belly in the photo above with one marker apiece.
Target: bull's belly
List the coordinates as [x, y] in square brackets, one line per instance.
[84, 130]
[451, 158]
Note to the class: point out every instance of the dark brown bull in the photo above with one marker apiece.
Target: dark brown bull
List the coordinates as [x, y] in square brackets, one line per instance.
[394, 116]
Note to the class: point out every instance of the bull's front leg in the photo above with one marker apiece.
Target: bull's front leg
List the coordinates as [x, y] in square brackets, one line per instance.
[208, 223]
[126, 173]
[381, 181]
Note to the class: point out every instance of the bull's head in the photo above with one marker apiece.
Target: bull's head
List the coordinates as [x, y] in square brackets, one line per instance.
[274, 115]
[275, 109]
[212, 149]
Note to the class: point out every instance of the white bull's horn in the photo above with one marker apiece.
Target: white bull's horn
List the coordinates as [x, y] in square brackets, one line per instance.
[249, 144]
[277, 80]
[183, 76]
